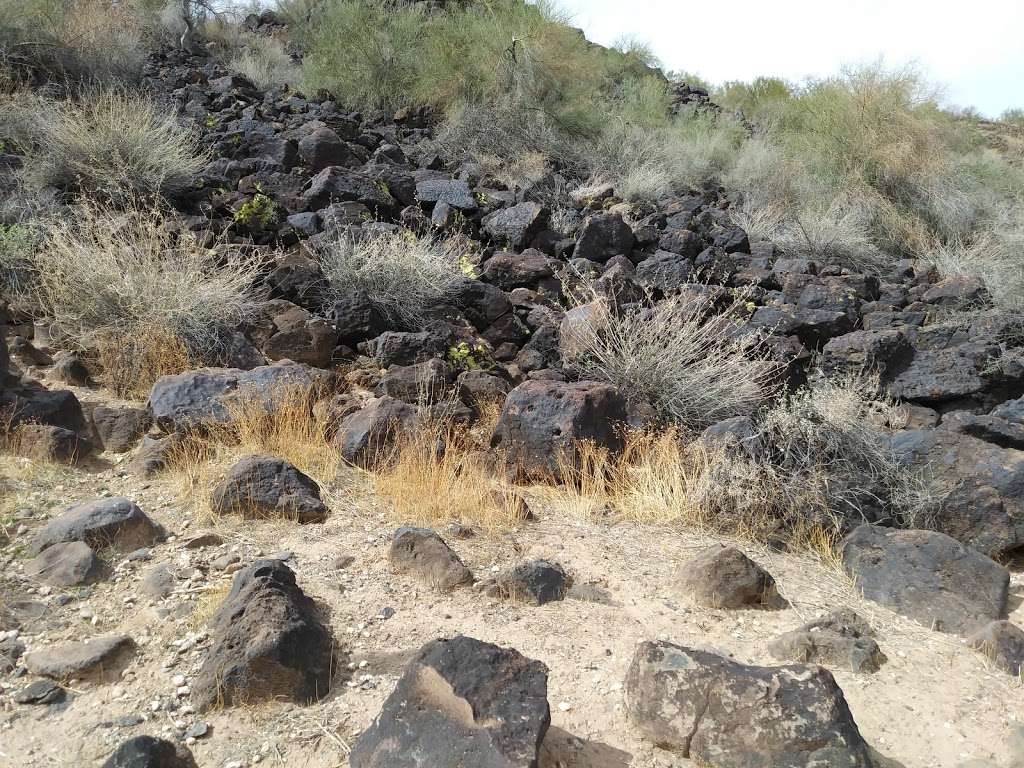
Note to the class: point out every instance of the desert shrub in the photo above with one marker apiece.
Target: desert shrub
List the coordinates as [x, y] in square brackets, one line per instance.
[265, 62]
[367, 54]
[70, 42]
[116, 145]
[106, 273]
[993, 258]
[758, 100]
[404, 274]
[826, 453]
[1014, 117]
[691, 363]
[18, 245]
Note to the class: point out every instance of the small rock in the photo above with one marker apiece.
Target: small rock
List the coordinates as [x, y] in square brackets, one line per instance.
[840, 639]
[149, 752]
[40, 692]
[423, 554]
[1003, 644]
[724, 577]
[75, 659]
[536, 582]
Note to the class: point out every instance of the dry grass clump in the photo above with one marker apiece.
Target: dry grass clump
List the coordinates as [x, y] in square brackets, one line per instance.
[282, 424]
[113, 144]
[265, 62]
[818, 463]
[403, 273]
[437, 474]
[680, 355]
[131, 363]
[127, 275]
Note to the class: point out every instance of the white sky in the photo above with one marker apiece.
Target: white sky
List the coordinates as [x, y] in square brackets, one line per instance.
[973, 47]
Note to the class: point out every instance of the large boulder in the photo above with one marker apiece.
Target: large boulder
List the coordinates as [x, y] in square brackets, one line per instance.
[461, 703]
[268, 487]
[150, 752]
[110, 522]
[364, 436]
[724, 577]
[721, 713]
[517, 226]
[204, 397]
[602, 236]
[926, 576]
[35, 405]
[268, 643]
[980, 485]
[423, 554]
[543, 422]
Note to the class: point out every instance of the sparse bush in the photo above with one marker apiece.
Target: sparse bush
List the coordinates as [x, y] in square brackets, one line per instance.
[693, 365]
[826, 453]
[117, 145]
[105, 273]
[265, 62]
[403, 274]
[996, 260]
[18, 244]
[70, 42]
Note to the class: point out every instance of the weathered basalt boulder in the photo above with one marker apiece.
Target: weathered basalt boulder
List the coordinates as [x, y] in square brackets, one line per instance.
[150, 752]
[268, 487]
[110, 522]
[542, 423]
[842, 639]
[365, 435]
[926, 576]
[724, 577]
[729, 715]
[423, 554]
[268, 643]
[460, 703]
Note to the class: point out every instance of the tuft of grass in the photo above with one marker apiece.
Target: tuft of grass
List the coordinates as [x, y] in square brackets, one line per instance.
[438, 474]
[115, 145]
[403, 273]
[131, 363]
[127, 275]
[680, 355]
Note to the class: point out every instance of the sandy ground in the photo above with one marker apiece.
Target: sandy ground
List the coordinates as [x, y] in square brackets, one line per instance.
[935, 704]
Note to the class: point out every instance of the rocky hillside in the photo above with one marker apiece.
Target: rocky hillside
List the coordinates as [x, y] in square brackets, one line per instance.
[472, 473]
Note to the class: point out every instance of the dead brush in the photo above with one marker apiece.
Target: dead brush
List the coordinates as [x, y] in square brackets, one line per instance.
[437, 474]
[130, 364]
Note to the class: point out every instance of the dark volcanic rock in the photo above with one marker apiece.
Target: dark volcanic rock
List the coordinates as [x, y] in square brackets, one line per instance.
[149, 752]
[1003, 644]
[542, 422]
[66, 564]
[268, 643]
[536, 582]
[113, 521]
[841, 639]
[195, 398]
[724, 577]
[729, 715]
[461, 703]
[46, 443]
[365, 435]
[515, 227]
[980, 485]
[423, 554]
[926, 576]
[602, 236]
[120, 428]
[73, 659]
[265, 487]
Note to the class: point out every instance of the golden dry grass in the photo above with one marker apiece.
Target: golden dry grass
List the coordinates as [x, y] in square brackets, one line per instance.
[439, 474]
[662, 479]
[131, 365]
[289, 430]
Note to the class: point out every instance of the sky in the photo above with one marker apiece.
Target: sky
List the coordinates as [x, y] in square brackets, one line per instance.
[975, 49]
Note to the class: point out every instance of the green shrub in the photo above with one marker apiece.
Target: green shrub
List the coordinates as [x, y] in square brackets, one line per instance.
[18, 244]
[265, 62]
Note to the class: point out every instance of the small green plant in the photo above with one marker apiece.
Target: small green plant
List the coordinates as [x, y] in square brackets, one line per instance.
[210, 121]
[257, 213]
[464, 357]
[467, 267]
